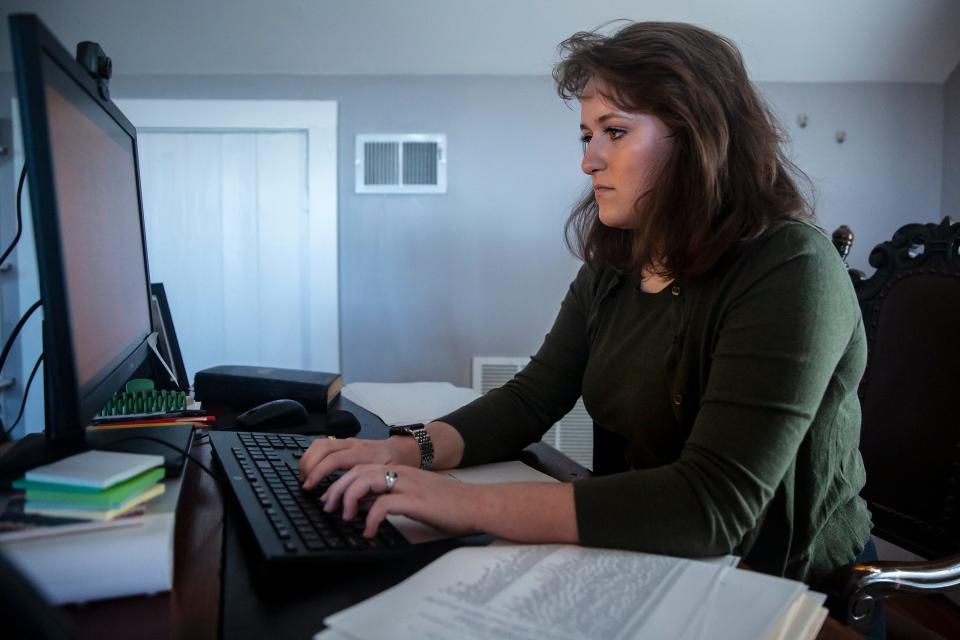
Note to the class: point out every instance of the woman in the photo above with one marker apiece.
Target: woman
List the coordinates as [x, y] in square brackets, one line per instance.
[712, 332]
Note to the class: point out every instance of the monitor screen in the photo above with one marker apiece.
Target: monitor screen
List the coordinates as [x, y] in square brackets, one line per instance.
[94, 170]
[81, 159]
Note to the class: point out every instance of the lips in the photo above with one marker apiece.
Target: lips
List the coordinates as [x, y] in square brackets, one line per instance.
[600, 188]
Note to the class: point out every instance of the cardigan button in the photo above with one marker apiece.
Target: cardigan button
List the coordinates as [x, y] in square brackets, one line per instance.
[675, 289]
[677, 399]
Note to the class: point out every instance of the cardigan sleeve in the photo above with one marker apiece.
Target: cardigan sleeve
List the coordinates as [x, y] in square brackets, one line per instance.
[501, 423]
[788, 319]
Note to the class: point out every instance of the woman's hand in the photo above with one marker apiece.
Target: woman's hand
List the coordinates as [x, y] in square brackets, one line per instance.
[324, 456]
[431, 498]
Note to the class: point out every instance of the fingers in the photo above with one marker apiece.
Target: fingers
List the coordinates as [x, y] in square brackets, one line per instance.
[342, 459]
[359, 487]
[323, 457]
[366, 480]
[352, 487]
[381, 508]
[331, 498]
[317, 451]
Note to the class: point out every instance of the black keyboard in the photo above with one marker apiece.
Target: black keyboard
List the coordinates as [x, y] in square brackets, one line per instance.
[288, 522]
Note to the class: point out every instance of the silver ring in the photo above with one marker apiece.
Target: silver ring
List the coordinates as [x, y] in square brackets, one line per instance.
[390, 477]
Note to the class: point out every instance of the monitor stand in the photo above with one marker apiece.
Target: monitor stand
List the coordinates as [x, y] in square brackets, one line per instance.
[35, 449]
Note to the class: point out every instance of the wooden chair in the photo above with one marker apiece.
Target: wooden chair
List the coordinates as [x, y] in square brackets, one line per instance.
[910, 438]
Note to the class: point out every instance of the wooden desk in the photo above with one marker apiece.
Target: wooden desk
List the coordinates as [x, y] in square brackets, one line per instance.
[203, 539]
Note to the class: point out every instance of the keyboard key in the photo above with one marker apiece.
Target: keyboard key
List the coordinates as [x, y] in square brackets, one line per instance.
[315, 545]
[391, 539]
[334, 542]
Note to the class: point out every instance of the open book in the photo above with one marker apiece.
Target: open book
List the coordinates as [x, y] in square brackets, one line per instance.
[565, 592]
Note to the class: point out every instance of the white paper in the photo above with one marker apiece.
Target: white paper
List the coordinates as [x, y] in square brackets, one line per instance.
[331, 634]
[510, 471]
[107, 563]
[564, 592]
[408, 402]
[804, 619]
[152, 343]
[744, 604]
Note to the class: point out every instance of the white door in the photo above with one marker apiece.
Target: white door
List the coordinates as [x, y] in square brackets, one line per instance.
[240, 211]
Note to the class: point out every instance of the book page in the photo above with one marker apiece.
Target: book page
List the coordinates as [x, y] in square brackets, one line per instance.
[527, 592]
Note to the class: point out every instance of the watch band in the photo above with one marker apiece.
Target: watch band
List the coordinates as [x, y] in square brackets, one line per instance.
[419, 433]
[422, 437]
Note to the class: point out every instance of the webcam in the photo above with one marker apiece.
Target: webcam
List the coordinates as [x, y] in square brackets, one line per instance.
[92, 57]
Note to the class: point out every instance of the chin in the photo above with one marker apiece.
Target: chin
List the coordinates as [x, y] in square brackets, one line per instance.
[614, 219]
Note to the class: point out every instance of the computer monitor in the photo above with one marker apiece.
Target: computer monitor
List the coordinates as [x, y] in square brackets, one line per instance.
[81, 160]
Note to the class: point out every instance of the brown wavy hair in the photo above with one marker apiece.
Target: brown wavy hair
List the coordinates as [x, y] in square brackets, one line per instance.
[727, 179]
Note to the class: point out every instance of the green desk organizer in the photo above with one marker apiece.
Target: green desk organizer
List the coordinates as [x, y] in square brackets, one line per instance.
[140, 396]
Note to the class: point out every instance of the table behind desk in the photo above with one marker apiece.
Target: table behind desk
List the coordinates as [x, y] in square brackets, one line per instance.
[219, 592]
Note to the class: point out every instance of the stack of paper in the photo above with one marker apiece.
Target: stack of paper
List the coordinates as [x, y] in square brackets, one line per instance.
[563, 592]
[406, 402]
[94, 485]
[108, 561]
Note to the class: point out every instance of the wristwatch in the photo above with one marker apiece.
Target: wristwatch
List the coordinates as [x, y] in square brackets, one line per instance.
[419, 433]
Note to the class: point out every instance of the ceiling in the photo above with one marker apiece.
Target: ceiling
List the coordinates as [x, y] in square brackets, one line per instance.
[808, 41]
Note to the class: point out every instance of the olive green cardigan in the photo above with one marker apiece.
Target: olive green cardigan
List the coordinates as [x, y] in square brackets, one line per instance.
[725, 410]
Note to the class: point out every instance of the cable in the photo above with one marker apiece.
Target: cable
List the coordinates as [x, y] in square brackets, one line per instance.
[16, 238]
[23, 403]
[16, 330]
[218, 479]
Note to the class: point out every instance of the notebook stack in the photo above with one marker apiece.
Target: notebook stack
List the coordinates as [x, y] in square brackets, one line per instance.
[93, 485]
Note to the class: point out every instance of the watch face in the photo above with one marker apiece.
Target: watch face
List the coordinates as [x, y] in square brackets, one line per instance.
[405, 429]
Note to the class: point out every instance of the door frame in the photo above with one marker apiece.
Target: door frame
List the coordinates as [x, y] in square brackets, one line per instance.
[318, 118]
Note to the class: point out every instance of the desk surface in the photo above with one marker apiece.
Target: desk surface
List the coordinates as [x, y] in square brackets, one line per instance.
[211, 560]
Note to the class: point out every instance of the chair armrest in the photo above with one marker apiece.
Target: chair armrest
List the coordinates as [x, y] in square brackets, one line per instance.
[855, 588]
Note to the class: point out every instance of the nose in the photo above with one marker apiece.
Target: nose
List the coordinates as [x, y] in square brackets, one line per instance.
[593, 158]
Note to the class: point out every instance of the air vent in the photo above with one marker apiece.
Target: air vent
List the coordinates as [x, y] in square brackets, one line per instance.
[572, 435]
[401, 163]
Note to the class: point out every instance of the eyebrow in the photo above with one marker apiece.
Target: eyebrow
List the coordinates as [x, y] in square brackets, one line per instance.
[604, 118]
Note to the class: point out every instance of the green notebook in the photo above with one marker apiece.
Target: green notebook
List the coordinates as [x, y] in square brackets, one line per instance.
[84, 497]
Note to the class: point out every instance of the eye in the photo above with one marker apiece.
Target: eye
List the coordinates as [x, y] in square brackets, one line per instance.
[585, 140]
[614, 133]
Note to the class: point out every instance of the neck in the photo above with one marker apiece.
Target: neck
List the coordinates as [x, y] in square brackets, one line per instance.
[651, 282]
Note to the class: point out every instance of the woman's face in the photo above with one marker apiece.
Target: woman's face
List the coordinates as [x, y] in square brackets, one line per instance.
[623, 154]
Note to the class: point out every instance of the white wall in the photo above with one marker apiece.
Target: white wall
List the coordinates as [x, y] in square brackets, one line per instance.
[951, 146]
[888, 170]
[428, 281]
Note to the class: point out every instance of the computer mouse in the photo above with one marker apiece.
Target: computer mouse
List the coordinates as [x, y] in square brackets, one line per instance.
[273, 415]
[336, 422]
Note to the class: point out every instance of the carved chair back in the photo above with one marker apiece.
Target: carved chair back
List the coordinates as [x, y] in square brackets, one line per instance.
[910, 439]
